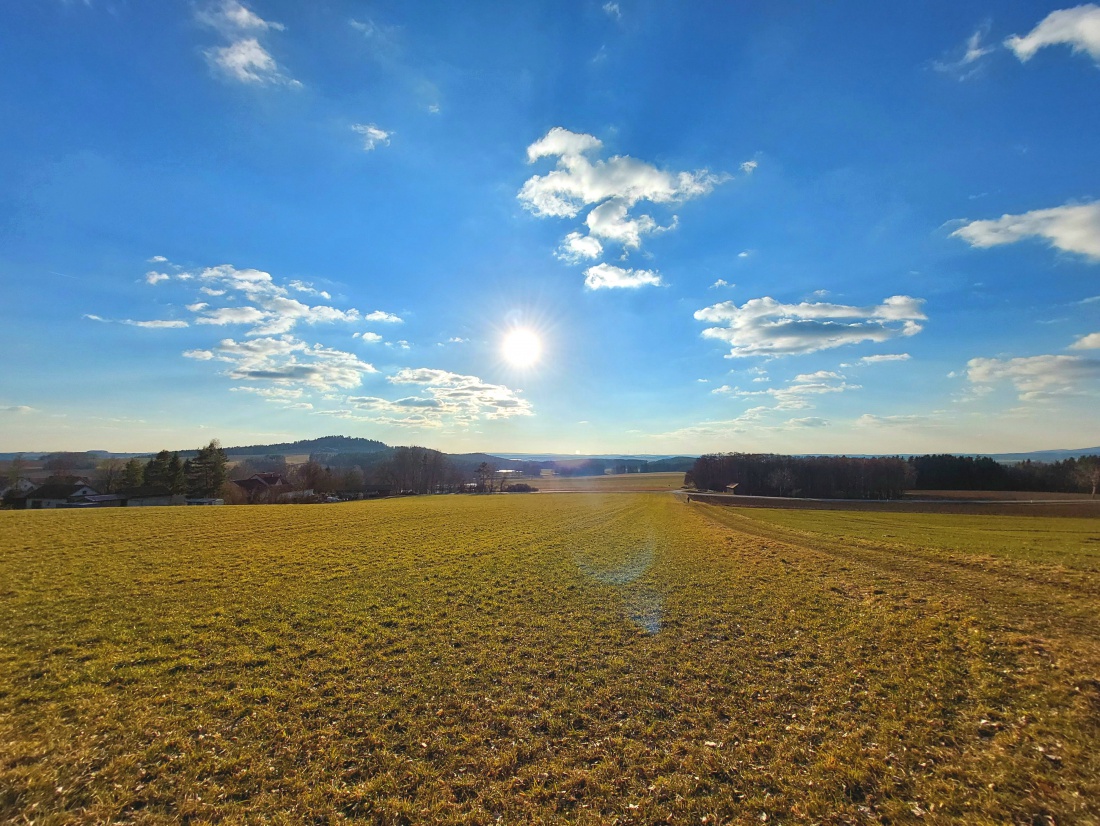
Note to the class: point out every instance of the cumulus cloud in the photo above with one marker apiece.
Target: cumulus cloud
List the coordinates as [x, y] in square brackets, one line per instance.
[379, 315]
[748, 167]
[612, 187]
[199, 355]
[608, 276]
[288, 361]
[576, 247]
[371, 338]
[1078, 28]
[1071, 228]
[1089, 342]
[231, 315]
[158, 259]
[156, 277]
[244, 59]
[1037, 378]
[372, 135]
[766, 327]
[461, 397]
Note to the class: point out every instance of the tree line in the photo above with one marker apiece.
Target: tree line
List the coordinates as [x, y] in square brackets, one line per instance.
[843, 477]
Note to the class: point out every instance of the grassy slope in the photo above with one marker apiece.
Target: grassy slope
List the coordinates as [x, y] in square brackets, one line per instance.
[460, 659]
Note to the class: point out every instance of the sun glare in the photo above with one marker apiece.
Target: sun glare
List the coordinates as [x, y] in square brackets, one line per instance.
[521, 347]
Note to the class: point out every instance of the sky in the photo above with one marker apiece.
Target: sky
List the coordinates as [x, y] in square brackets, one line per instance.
[577, 227]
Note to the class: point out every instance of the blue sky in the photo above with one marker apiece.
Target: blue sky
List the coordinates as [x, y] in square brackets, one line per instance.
[806, 227]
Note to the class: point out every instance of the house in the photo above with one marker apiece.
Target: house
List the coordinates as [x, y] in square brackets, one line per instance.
[59, 495]
[270, 487]
[151, 496]
[20, 486]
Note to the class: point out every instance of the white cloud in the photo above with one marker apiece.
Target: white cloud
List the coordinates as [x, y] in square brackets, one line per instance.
[965, 65]
[460, 398]
[152, 325]
[1089, 342]
[1036, 378]
[158, 259]
[247, 61]
[612, 10]
[201, 305]
[287, 396]
[209, 291]
[156, 324]
[20, 409]
[1078, 28]
[232, 315]
[379, 315]
[721, 282]
[373, 136]
[744, 253]
[231, 17]
[371, 338]
[809, 421]
[244, 59]
[308, 289]
[794, 395]
[748, 167]
[1070, 228]
[870, 420]
[608, 276]
[199, 355]
[612, 187]
[765, 327]
[1092, 299]
[400, 344]
[576, 247]
[156, 277]
[885, 357]
[288, 361]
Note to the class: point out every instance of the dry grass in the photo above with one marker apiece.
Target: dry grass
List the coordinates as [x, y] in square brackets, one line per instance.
[612, 483]
[588, 659]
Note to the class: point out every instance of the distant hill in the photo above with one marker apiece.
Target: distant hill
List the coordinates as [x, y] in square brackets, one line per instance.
[1045, 455]
[325, 444]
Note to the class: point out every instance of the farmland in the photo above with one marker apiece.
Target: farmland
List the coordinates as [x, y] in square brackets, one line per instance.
[583, 658]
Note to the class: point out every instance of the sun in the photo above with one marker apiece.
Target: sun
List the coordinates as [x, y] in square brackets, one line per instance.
[521, 347]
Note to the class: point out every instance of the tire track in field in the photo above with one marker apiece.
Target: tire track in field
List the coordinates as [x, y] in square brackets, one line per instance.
[1022, 596]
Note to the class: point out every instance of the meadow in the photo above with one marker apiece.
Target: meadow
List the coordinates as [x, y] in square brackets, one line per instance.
[618, 657]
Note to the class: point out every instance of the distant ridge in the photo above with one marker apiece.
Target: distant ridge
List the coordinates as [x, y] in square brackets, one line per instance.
[324, 444]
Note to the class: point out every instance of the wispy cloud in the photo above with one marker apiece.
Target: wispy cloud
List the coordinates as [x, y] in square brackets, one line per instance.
[244, 59]
[156, 324]
[1078, 28]
[966, 64]
[373, 136]
[1071, 228]
[766, 327]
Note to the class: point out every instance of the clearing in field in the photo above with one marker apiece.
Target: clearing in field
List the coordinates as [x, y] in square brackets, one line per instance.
[510, 659]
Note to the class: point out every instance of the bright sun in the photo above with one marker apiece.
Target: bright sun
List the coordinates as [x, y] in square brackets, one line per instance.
[521, 347]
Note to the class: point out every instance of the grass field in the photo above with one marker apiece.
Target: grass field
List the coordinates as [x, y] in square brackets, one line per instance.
[612, 483]
[514, 659]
